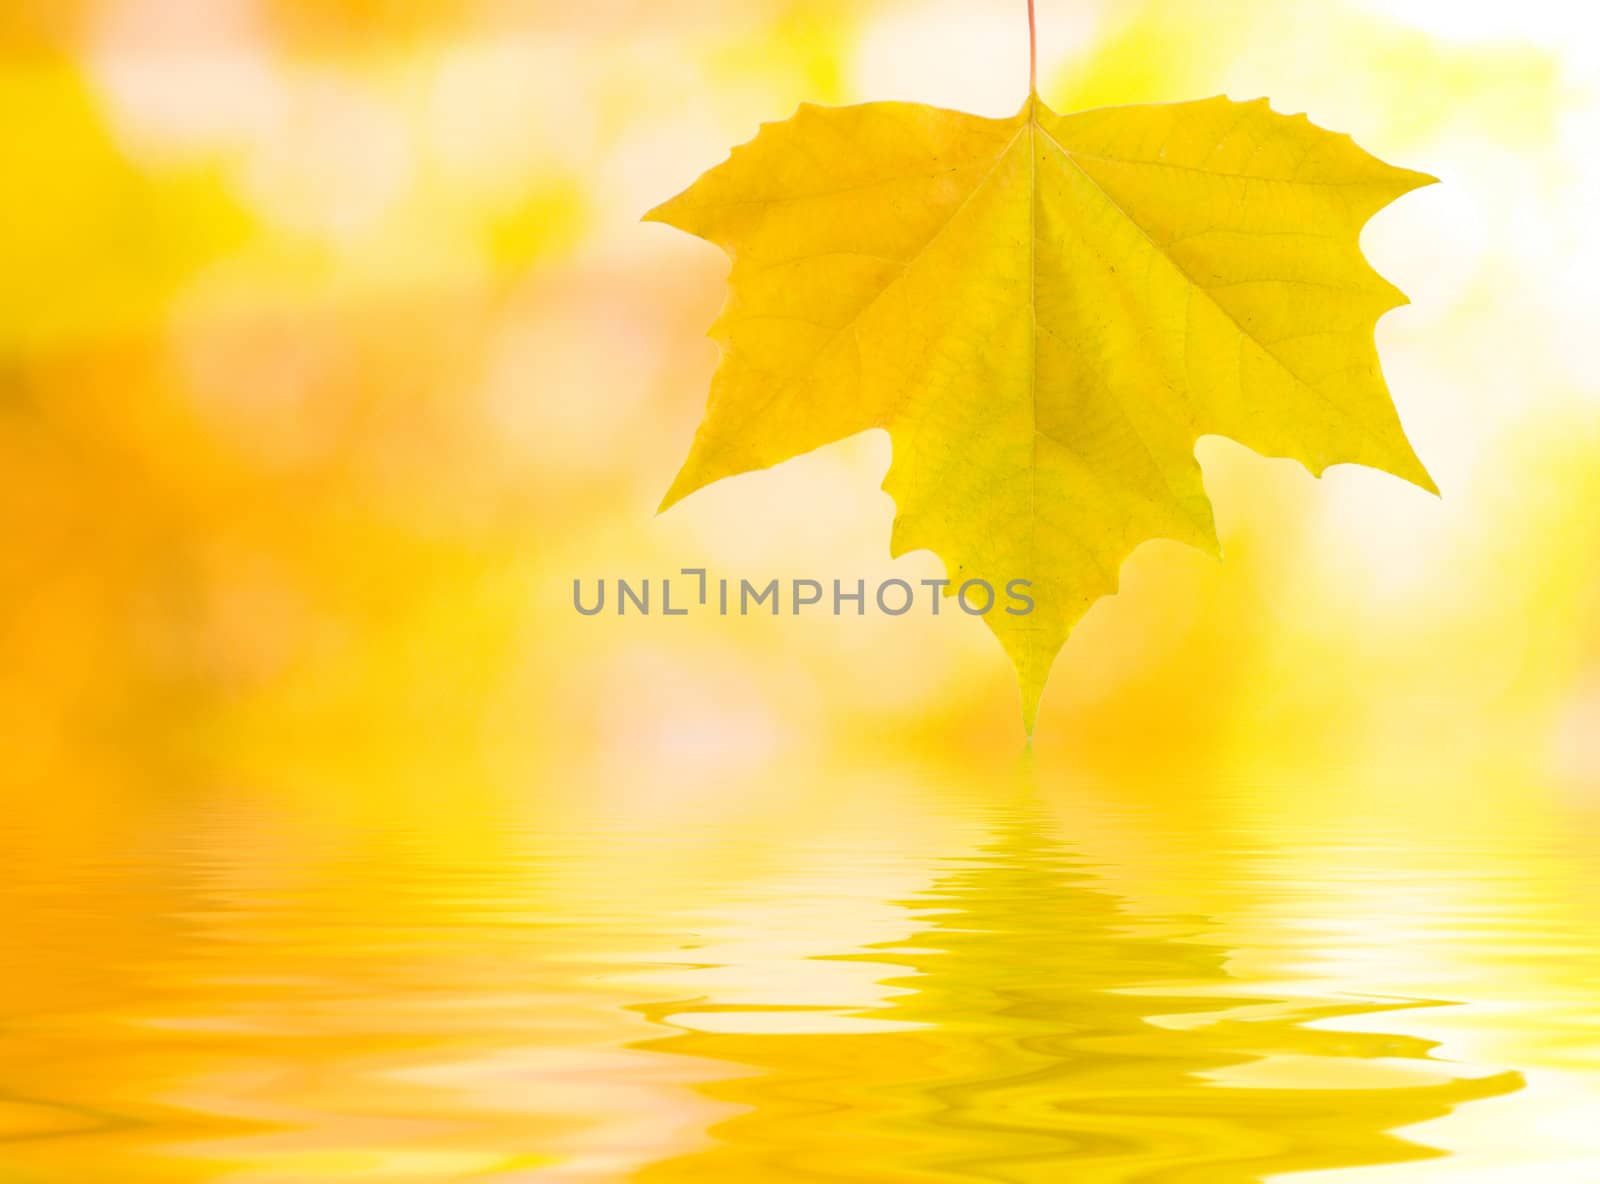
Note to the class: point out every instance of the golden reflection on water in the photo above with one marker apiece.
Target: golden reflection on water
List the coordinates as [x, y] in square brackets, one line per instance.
[992, 991]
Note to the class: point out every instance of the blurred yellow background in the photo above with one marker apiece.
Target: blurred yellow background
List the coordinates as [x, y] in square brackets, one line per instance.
[332, 350]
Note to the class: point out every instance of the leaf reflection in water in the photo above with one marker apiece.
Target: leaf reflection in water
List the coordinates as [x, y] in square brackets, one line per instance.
[1044, 1034]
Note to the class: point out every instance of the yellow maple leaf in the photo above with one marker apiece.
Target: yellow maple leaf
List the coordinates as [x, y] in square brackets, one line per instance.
[1046, 312]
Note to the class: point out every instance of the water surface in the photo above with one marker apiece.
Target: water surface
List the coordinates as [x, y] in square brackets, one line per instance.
[914, 981]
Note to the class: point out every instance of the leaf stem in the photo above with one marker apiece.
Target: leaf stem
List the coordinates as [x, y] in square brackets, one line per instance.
[1033, 52]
